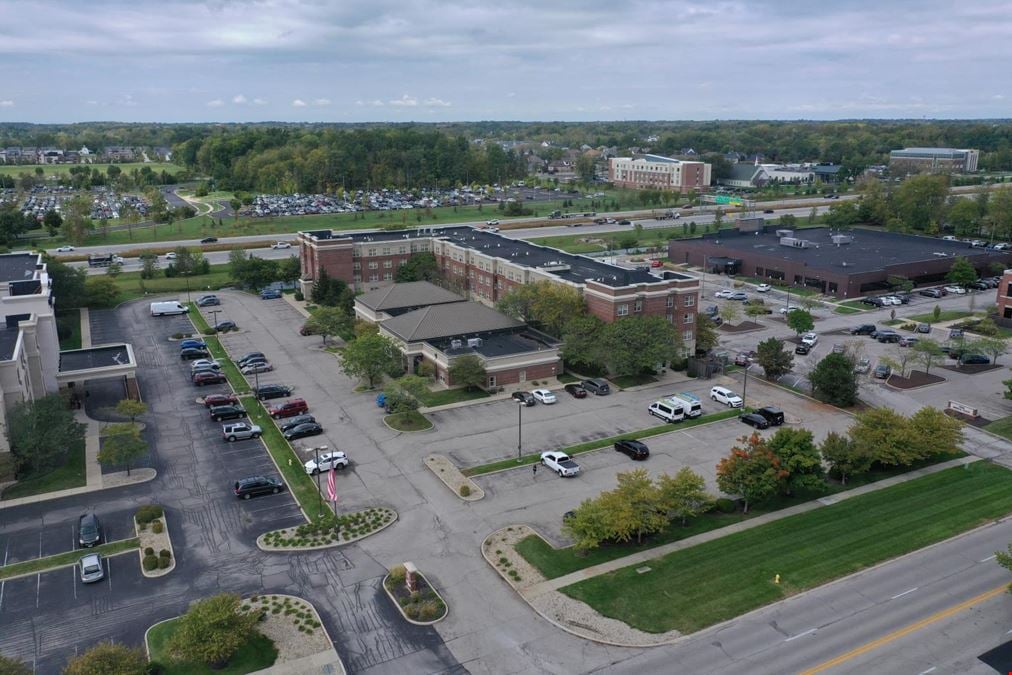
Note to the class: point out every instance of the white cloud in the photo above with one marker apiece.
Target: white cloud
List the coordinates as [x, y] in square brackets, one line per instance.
[404, 101]
[216, 103]
[239, 98]
[299, 103]
[436, 103]
[259, 101]
[6, 103]
[321, 101]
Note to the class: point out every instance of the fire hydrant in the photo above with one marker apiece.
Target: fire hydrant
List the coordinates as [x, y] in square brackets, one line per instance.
[776, 579]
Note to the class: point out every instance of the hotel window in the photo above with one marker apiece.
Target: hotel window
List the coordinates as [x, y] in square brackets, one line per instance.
[357, 278]
[373, 277]
[373, 265]
[356, 253]
[403, 262]
[356, 266]
[370, 253]
[402, 249]
[638, 307]
[670, 302]
[690, 301]
[386, 250]
[687, 335]
[387, 264]
[622, 310]
[388, 276]
[689, 317]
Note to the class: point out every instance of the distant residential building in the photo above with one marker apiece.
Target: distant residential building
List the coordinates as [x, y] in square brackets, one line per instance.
[659, 173]
[827, 173]
[1004, 299]
[944, 160]
[118, 153]
[745, 176]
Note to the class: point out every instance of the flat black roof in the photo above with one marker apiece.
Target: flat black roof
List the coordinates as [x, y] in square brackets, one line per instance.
[499, 344]
[869, 250]
[18, 266]
[8, 340]
[94, 357]
[575, 268]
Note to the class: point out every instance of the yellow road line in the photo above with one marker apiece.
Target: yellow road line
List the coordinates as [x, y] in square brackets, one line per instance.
[907, 630]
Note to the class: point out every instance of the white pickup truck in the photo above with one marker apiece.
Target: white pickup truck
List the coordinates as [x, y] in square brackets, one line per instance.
[560, 463]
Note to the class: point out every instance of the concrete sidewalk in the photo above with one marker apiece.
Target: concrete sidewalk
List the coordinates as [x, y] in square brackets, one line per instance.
[644, 556]
[325, 663]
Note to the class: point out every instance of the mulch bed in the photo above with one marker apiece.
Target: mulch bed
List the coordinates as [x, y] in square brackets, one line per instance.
[743, 327]
[917, 378]
[972, 421]
[972, 369]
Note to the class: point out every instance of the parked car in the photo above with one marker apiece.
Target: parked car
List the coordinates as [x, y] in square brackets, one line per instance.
[525, 397]
[256, 367]
[192, 354]
[225, 326]
[742, 359]
[980, 285]
[290, 408]
[763, 288]
[544, 396]
[773, 416]
[887, 336]
[209, 240]
[955, 290]
[810, 339]
[924, 328]
[336, 459]
[974, 360]
[738, 295]
[882, 371]
[931, 292]
[723, 293]
[908, 341]
[240, 431]
[303, 430]
[281, 245]
[560, 463]
[596, 386]
[787, 309]
[270, 294]
[192, 344]
[255, 486]
[862, 366]
[208, 301]
[171, 255]
[863, 329]
[802, 349]
[210, 364]
[205, 377]
[712, 310]
[212, 400]
[91, 568]
[575, 390]
[292, 422]
[269, 391]
[726, 396]
[759, 303]
[220, 413]
[754, 420]
[89, 530]
[635, 449]
[956, 334]
[839, 348]
[241, 361]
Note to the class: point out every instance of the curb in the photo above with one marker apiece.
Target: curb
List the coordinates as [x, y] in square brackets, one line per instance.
[401, 609]
[84, 551]
[432, 426]
[297, 549]
[157, 572]
[476, 491]
[70, 492]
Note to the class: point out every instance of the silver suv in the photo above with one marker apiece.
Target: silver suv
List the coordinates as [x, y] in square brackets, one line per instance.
[240, 431]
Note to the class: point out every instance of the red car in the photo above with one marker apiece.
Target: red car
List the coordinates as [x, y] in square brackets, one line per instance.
[220, 399]
[291, 408]
[200, 379]
[656, 263]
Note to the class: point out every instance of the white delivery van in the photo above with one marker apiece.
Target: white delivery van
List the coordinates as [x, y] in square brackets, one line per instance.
[170, 307]
[691, 406]
[668, 410]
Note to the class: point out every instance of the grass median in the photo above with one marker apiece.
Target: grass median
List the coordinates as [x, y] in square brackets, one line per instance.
[65, 559]
[257, 653]
[235, 377]
[527, 460]
[718, 580]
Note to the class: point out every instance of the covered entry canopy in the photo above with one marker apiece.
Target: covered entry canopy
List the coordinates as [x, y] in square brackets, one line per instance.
[97, 363]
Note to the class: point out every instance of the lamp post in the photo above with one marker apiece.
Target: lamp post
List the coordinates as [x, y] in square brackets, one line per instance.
[744, 388]
[187, 290]
[214, 317]
[520, 421]
[319, 490]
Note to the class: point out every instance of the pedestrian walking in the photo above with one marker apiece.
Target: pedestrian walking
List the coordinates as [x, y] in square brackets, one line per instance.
[535, 467]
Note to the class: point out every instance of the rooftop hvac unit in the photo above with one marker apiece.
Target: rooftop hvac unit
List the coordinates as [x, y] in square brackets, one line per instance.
[456, 344]
[840, 239]
[785, 233]
[474, 342]
[794, 242]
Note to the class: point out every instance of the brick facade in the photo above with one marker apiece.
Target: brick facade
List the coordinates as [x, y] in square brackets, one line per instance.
[1004, 298]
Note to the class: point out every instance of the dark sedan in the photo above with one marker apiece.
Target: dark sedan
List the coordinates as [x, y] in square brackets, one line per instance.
[225, 326]
[303, 430]
[209, 240]
[293, 422]
[525, 397]
[192, 354]
[576, 391]
[635, 449]
[754, 420]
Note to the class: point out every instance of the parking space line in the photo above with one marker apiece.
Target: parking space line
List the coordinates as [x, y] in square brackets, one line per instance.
[38, 587]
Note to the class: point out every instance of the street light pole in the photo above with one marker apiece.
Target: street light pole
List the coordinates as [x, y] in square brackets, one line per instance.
[319, 490]
[744, 388]
[520, 419]
[214, 316]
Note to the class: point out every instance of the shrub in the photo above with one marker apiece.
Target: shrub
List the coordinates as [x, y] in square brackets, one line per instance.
[726, 505]
[299, 296]
[157, 527]
[155, 668]
[148, 512]
[150, 562]
[411, 611]
[164, 563]
[465, 490]
[429, 610]
[208, 331]
[177, 336]
[165, 553]
[149, 551]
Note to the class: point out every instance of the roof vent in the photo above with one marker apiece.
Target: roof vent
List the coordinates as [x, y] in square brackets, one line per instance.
[474, 342]
[456, 344]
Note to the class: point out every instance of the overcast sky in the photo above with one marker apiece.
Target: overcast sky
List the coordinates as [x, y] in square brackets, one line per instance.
[439, 60]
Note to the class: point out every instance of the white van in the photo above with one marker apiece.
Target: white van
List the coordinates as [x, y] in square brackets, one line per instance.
[170, 307]
[668, 410]
[691, 406]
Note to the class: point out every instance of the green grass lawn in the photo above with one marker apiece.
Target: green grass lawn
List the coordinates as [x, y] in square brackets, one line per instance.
[626, 381]
[567, 378]
[533, 458]
[697, 587]
[64, 169]
[258, 653]
[431, 399]
[68, 558]
[944, 315]
[854, 305]
[69, 321]
[411, 420]
[131, 285]
[1002, 427]
[71, 475]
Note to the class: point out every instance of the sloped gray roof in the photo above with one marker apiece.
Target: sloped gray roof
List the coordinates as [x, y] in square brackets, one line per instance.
[744, 171]
[410, 294]
[448, 320]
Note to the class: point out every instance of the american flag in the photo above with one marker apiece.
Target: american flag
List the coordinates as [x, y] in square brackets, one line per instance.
[332, 485]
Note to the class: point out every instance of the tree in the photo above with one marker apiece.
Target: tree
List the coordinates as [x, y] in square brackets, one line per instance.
[121, 445]
[212, 630]
[898, 359]
[799, 458]
[53, 221]
[920, 202]
[77, 219]
[544, 305]
[635, 506]
[585, 168]
[730, 312]
[964, 216]
[581, 342]
[775, 360]
[128, 407]
[843, 457]
[992, 346]
[936, 313]
[107, 658]
[961, 273]
[589, 525]
[40, 433]
[834, 381]
[149, 265]
[935, 433]
[252, 272]
[11, 666]
[999, 213]
[330, 292]
[1004, 559]
[330, 321]
[469, 371]
[68, 284]
[419, 267]
[706, 333]
[800, 321]
[289, 269]
[927, 352]
[683, 496]
[633, 345]
[842, 215]
[755, 309]
[371, 357]
[101, 291]
[752, 471]
[884, 435]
